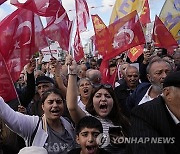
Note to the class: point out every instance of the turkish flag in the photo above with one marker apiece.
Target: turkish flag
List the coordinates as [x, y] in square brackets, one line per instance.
[100, 38]
[41, 7]
[7, 89]
[82, 14]
[17, 41]
[161, 36]
[124, 34]
[78, 48]
[2, 1]
[59, 29]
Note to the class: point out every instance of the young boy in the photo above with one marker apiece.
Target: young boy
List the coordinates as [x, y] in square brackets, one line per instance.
[87, 131]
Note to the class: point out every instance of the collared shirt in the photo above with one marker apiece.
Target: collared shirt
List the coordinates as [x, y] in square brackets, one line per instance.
[146, 97]
[173, 116]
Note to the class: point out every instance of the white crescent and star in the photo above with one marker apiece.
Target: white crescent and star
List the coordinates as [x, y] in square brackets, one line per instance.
[22, 1]
[28, 25]
[155, 28]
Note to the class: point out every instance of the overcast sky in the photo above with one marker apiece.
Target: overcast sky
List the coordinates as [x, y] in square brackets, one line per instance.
[102, 7]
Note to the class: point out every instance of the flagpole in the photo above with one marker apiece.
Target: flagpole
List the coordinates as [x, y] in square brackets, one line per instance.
[11, 80]
[162, 8]
[70, 39]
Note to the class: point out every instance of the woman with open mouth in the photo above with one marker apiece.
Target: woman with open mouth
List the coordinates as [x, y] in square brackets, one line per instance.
[84, 89]
[101, 104]
[51, 131]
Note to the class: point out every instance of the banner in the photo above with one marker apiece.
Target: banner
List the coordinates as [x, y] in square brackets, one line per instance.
[161, 36]
[78, 48]
[145, 14]
[124, 34]
[59, 29]
[82, 14]
[100, 38]
[170, 16]
[18, 42]
[135, 52]
[124, 7]
[40, 7]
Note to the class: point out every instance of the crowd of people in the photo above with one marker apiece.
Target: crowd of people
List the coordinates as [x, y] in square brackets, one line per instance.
[63, 107]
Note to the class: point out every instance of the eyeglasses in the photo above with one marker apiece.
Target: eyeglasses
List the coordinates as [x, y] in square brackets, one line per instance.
[99, 86]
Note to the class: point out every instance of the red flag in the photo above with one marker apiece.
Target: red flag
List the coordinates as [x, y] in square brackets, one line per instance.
[41, 7]
[17, 41]
[125, 33]
[100, 38]
[135, 52]
[7, 89]
[78, 49]
[82, 14]
[59, 29]
[106, 77]
[2, 1]
[145, 15]
[161, 36]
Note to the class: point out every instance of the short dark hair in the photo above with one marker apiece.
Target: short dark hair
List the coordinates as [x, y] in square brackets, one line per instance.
[89, 122]
[50, 91]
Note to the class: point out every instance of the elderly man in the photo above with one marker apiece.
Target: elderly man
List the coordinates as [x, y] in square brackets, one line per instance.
[124, 90]
[157, 70]
[157, 123]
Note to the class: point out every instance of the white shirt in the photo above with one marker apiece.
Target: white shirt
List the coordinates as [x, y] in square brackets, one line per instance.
[173, 116]
[80, 104]
[146, 97]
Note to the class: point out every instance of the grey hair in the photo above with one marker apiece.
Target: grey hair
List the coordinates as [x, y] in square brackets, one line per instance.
[87, 79]
[158, 60]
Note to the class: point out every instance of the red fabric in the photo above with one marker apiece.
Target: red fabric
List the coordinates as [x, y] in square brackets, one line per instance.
[100, 38]
[124, 34]
[59, 29]
[7, 90]
[17, 41]
[41, 7]
[78, 48]
[82, 14]
[135, 52]
[145, 15]
[161, 36]
[106, 77]
[2, 1]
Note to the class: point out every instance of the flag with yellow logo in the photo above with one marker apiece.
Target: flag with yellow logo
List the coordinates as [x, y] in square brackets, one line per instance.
[124, 7]
[170, 16]
[100, 38]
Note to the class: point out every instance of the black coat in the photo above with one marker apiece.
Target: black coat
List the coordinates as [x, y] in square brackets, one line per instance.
[152, 119]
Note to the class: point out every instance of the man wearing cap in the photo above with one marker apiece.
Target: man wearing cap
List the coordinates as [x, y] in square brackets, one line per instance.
[157, 123]
[43, 83]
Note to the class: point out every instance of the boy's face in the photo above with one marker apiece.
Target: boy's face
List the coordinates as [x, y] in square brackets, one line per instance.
[87, 140]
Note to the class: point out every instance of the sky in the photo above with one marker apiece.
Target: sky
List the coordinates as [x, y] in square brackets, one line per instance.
[101, 7]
